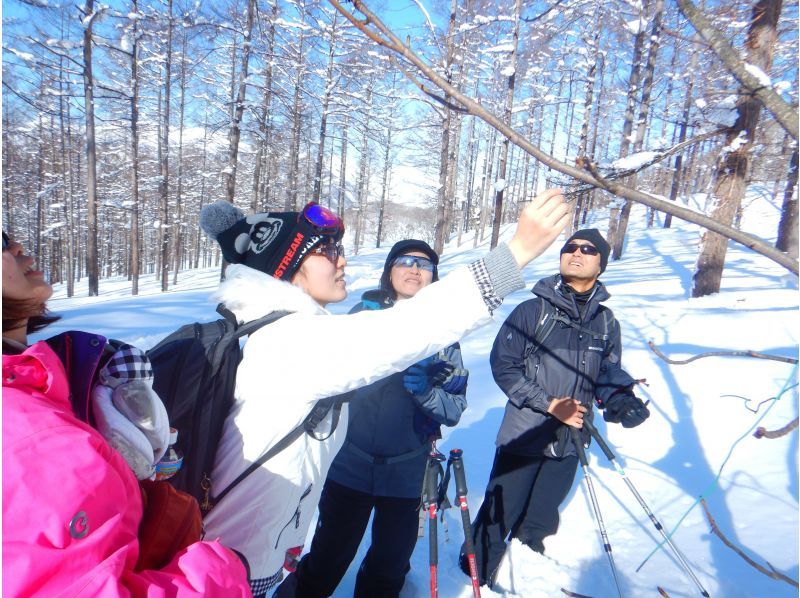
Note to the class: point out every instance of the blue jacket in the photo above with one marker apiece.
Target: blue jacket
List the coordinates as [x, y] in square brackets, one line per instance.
[570, 362]
[390, 430]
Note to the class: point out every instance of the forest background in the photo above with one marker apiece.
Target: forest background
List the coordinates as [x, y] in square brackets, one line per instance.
[121, 120]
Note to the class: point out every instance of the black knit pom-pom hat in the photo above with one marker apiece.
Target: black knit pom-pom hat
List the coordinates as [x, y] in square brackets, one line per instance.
[272, 242]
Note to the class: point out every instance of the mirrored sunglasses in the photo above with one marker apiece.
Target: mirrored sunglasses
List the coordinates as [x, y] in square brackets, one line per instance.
[585, 249]
[6, 241]
[322, 219]
[331, 250]
[409, 261]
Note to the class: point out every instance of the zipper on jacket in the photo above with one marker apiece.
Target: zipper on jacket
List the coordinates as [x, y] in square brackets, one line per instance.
[295, 516]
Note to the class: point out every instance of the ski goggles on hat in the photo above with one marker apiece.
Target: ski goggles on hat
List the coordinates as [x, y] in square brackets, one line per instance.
[585, 249]
[332, 250]
[322, 219]
[6, 241]
[409, 261]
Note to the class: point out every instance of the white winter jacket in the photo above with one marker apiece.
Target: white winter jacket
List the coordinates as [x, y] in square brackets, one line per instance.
[287, 366]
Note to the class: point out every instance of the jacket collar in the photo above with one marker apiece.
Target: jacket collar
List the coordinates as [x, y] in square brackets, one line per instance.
[551, 289]
[38, 369]
[251, 294]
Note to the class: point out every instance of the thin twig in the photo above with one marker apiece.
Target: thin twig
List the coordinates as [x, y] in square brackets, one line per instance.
[769, 573]
[662, 592]
[386, 38]
[720, 354]
[572, 594]
[762, 432]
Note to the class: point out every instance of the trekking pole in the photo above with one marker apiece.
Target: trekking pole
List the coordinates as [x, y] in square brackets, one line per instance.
[576, 439]
[656, 523]
[456, 459]
[432, 493]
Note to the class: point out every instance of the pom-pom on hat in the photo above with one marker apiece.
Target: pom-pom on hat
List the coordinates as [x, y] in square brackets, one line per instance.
[272, 242]
[595, 238]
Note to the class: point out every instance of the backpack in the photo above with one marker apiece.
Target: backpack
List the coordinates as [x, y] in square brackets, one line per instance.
[194, 371]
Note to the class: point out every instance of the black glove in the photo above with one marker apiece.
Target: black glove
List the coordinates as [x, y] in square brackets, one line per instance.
[625, 409]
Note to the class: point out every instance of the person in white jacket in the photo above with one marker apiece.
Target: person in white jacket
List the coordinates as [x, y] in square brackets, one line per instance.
[294, 261]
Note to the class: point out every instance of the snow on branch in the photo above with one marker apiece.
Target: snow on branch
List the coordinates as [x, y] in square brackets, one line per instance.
[377, 31]
[757, 84]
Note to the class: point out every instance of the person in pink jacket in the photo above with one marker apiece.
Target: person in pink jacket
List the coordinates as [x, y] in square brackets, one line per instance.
[71, 502]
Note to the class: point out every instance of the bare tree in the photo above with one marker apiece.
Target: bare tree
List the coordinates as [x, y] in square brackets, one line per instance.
[732, 166]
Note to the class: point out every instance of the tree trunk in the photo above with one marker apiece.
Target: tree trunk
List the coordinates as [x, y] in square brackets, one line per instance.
[385, 192]
[91, 154]
[135, 260]
[641, 125]
[238, 111]
[297, 123]
[163, 184]
[326, 99]
[787, 228]
[264, 122]
[342, 168]
[501, 169]
[732, 167]
[179, 224]
[687, 110]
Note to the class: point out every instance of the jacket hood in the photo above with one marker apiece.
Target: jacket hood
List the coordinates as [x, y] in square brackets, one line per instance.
[251, 294]
[551, 289]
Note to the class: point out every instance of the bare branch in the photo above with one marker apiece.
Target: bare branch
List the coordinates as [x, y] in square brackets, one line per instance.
[762, 432]
[755, 354]
[388, 39]
[769, 573]
[785, 114]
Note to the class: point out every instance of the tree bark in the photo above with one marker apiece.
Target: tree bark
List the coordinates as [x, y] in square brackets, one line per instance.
[732, 167]
[502, 171]
[91, 153]
[238, 110]
[135, 259]
[787, 228]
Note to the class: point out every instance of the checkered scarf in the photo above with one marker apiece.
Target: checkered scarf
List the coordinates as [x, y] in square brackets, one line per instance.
[126, 364]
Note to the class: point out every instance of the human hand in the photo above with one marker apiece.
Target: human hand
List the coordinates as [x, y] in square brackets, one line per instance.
[626, 409]
[416, 381]
[540, 222]
[567, 410]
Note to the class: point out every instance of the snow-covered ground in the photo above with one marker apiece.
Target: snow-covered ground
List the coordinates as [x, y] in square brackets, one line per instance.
[698, 440]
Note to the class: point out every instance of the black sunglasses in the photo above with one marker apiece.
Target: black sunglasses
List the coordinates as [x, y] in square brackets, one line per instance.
[585, 249]
[6, 241]
[331, 250]
[409, 261]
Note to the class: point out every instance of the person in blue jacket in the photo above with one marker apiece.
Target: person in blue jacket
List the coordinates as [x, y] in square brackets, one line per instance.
[380, 468]
[552, 382]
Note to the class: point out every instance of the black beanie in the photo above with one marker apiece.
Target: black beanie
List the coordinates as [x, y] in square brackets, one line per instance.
[274, 242]
[402, 248]
[595, 238]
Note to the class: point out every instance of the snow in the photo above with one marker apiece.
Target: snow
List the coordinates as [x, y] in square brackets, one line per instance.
[634, 161]
[702, 417]
[762, 77]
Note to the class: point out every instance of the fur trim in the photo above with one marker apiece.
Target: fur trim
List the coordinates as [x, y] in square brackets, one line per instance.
[251, 294]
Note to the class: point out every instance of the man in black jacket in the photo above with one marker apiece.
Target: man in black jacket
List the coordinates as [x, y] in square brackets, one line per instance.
[554, 356]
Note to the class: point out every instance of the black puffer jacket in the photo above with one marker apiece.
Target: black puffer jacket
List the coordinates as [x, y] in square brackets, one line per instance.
[570, 363]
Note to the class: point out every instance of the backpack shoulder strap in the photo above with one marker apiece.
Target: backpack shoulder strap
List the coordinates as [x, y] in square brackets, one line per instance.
[545, 322]
[311, 421]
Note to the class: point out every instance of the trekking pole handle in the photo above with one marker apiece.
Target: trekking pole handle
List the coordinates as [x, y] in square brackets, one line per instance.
[599, 439]
[576, 440]
[456, 458]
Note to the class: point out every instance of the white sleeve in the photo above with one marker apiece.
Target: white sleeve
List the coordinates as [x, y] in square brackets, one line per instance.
[317, 356]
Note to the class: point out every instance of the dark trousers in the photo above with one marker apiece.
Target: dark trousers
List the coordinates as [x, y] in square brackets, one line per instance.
[343, 517]
[522, 499]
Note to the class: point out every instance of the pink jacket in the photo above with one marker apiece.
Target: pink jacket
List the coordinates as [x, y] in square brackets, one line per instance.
[72, 506]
